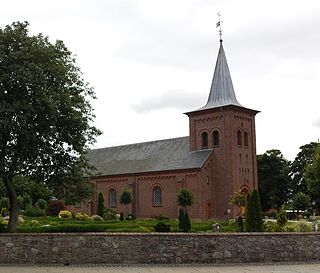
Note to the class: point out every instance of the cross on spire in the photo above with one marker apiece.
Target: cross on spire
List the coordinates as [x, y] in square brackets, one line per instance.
[219, 25]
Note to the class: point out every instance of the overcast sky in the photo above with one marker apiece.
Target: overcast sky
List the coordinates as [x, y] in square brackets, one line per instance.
[152, 60]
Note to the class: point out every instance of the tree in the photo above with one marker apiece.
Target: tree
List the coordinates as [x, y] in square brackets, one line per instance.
[313, 178]
[298, 168]
[253, 212]
[184, 199]
[126, 197]
[238, 199]
[45, 113]
[301, 201]
[274, 179]
[101, 207]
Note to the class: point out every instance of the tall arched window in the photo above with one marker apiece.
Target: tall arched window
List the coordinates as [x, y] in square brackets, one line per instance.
[215, 138]
[157, 196]
[112, 198]
[204, 140]
[239, 138]
[245, 139]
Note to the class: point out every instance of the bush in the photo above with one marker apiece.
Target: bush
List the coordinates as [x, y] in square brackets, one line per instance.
[34, 223]
[34, 212]
[82, 217]
[96, 218]
[54, 207]
[65, 214]
[4, 212]
[302, 226]
[184, 221]
[109, 214]
[162, 217]
[121, 216]
[254, 213]
[42, 204]
[282, 217]
[100, 204]
[162, 227]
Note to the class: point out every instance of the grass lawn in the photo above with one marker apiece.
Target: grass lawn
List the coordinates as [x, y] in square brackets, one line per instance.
[55, 224]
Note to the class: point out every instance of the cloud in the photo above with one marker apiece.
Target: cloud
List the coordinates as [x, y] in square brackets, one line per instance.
[316, 123]
[178, 99]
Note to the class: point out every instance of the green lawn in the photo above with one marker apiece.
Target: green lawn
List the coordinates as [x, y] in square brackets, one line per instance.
[55, 224]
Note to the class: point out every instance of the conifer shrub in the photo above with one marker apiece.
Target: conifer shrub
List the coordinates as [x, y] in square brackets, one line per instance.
[101, 206]
[96, 218]
[254, 221]
[162, 227]
[282, 217]
[184, 221]
[42, 204]
[109, 214]
[82, 217]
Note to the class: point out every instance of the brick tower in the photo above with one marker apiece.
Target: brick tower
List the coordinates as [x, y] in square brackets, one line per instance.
[228, 128]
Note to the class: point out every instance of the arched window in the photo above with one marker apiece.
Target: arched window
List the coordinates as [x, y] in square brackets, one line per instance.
[215, 138]
[204, 140]
[245, 139]
[157, 196]
[239, 138]
[112, 198]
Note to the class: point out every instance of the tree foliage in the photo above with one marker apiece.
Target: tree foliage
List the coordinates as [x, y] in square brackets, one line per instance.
[126, 197]
[185, 198]
[45, 114]
[313, 178]
[253, 212]
[274, 179]
[298, 168]
[301, 201]
[238, 199]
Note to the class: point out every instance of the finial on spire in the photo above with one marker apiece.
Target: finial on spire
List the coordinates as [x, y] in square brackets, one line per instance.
[219, 25]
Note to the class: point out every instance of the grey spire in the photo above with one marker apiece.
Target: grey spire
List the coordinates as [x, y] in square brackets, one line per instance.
[221, 91]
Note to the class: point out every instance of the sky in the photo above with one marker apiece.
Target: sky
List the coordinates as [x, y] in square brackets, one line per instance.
[150, 61]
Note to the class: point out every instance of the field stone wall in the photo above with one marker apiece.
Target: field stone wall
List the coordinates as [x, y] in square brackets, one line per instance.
[158, 248]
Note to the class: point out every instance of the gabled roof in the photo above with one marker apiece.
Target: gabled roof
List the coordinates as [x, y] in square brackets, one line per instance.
[161, 155]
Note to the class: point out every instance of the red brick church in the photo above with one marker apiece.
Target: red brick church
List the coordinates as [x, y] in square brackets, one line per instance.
[217, 159]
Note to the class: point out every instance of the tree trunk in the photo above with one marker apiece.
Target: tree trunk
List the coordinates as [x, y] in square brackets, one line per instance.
[14, 211]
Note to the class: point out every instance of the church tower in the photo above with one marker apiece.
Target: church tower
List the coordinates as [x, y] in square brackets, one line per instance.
[228, 128]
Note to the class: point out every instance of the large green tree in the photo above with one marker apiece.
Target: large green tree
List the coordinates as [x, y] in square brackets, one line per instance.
[274, 179]
[45, 113]
[298, 168]
[313, 178]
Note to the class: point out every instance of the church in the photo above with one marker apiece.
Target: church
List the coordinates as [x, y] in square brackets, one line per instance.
[217, 159]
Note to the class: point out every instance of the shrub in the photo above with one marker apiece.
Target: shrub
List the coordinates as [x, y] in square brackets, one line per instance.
[42, 204]
[34, 212]
[96, 218]
[100, 204]
[254, 213]
[54, 207]
[162, 227]
[109, 214]
[34, 223]
[82, 217]
[121, 216]
[184, 221]
[65, 214]
[20, 202]
[302, 226]
[4, 212]
[126, 197]
[282, 217]
[162, 217]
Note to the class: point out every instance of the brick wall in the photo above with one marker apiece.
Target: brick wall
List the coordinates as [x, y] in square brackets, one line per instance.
[125, 248]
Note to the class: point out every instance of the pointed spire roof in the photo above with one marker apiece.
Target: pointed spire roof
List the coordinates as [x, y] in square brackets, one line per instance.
[221, 91]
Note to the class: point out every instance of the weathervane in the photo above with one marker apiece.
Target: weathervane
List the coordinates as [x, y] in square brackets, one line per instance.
[219, 25]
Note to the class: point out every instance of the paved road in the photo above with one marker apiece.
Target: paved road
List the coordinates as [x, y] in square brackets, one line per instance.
[303, 268]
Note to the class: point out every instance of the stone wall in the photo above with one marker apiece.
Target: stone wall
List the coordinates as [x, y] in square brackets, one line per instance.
[158, 248]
